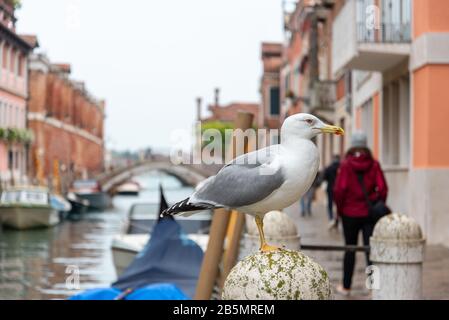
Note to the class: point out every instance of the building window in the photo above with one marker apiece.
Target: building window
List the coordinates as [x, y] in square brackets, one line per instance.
[5, 52]
[20, 66]
[10, 159]
[274, 101]
[396, 123]
[11, 116]
[16, 161]
[12, 60]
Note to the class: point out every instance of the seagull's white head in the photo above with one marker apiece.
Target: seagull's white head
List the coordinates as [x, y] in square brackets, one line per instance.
[306, 126]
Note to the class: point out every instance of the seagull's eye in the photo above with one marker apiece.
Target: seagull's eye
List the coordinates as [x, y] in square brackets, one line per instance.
[309, 121]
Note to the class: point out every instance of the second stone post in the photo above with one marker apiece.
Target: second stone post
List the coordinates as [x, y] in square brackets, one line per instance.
[397, 250]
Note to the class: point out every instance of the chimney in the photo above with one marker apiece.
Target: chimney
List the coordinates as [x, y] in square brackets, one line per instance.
[198, 108]
[217, 96]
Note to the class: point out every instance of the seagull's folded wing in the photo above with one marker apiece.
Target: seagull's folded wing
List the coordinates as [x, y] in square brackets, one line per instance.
[248, 179]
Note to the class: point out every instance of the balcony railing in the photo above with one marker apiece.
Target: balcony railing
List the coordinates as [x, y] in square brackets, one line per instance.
[323, 95]
[386, 33]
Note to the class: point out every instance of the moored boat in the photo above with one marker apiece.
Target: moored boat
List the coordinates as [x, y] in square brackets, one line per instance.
[129, 188]
[61, 205]
[27, 207]
[91, 191]
[79, 205]
[142, 219]
[151, 266]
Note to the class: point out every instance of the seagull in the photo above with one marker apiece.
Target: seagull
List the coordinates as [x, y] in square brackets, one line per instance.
[272, 178]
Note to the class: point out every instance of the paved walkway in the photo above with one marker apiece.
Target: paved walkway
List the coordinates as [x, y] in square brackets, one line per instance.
[314, 230]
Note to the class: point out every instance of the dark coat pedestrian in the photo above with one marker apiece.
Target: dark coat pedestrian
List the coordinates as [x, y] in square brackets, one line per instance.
[351, 203]
[330, 175]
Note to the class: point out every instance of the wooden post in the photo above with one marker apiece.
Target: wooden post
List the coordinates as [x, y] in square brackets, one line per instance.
[212, 257]
[244, 121]
[210, 267]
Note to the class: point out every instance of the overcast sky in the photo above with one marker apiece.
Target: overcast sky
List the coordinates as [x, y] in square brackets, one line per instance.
[150, 59]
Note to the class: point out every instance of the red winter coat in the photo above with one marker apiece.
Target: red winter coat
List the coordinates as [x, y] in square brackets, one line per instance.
[348, 194]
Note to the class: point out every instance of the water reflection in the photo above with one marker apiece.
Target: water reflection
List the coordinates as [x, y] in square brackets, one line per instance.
[33, 263]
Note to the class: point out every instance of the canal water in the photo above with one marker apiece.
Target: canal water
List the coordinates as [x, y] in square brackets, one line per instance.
[40, 264]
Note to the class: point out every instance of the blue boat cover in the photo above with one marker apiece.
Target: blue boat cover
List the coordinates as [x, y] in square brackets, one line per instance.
[160, 291]
[167, 268]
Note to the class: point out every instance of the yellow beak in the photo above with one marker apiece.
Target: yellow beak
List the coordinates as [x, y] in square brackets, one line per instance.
[332, 129]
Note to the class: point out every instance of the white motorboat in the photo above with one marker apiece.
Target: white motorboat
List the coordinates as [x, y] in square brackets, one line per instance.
[141, 219]
[129, 188]
[27, 207]
[125, 247]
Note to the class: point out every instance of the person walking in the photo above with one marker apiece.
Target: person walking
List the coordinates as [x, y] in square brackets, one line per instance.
[308, 197]
[330, 175]
[359, 174]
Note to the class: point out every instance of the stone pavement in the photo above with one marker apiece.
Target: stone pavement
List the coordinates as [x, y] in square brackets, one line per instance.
[314, 230]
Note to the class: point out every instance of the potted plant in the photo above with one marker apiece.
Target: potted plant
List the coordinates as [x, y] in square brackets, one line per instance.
[15, 4]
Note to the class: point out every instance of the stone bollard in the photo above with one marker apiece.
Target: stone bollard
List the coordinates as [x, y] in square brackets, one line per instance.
[280, 230]
[397, 250]
[277, 275]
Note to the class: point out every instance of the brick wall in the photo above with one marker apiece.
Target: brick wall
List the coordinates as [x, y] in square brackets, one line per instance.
[67, 123]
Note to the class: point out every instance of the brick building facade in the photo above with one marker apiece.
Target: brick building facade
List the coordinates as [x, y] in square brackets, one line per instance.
[226, 113]
[67, 123]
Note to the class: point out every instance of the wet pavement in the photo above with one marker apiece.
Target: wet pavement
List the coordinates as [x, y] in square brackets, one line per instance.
[314, 230]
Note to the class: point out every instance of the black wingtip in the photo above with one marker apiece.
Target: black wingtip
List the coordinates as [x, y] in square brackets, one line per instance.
[184, 206]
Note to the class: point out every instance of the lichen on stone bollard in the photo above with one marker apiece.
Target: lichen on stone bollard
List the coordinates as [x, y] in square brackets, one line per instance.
[277, 275]
[397, 238]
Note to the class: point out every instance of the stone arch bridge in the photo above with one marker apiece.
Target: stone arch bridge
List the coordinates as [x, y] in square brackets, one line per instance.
[187, 174]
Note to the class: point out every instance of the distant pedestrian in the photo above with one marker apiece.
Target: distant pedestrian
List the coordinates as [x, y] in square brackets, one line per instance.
[330, 175]
[358, 169]
[308, 197]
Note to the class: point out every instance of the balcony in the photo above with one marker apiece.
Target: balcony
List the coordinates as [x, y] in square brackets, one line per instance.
[365, 39]
[322, 97]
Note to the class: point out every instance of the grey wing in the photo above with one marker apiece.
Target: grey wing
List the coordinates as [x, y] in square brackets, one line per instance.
[259, 157]
[240, 183]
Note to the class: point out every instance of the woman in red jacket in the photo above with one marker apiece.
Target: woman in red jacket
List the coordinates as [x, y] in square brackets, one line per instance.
[351, 203]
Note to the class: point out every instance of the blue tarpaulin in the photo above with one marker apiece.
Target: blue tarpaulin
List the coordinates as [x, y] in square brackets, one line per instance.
[160, 291]
[167, 268]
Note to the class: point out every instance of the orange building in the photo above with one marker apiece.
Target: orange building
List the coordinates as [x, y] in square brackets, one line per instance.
[67, 122]
[380, 66]
[398, 53]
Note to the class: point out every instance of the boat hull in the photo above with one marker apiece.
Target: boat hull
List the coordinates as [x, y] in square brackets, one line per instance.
[128, 193]
[97, 200]
[77, 207]
[22, 218]
[122, 258]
